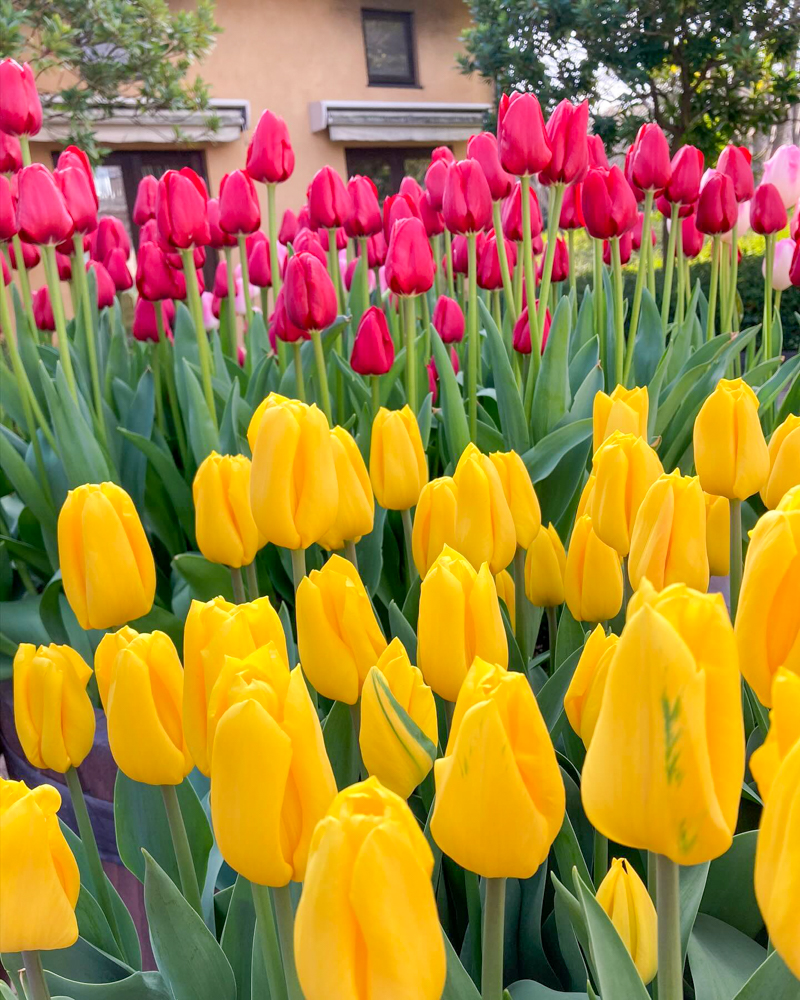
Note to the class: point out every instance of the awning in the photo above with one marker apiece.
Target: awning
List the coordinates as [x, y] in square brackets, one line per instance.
[396, 121]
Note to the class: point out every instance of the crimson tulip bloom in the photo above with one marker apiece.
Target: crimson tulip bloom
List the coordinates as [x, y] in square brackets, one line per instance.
[512, 214]
[717, 211]
[239, 211]
[328, 200]
[650, 167]
[489, 276]
[117, 266]
[409, 260]
[636, 232]
[373, 348]
[289, 227]
[365, 213]
[310, 297]
[571, 210]
[307, 241]
[448, 320]
[597, 152]
[686, 173]
[398, 206]
[79, 196]
[560, 262]
[461, 252]
[10, 154]
[8, 212]
[270, 157]
[42, 214]
[144, 207]
[433, 221]
[30, 256]
[109, 235]
[568, 141]
[483, 148]
[522, 331]
[665, 208]
[625, 249]
[435, 177]
[443, 153]
[410, 187]
[105, 284]
[608, 203]
[218, 238]
[64, 266]
[521, 136]
[280, 327]
[220, 289]
[340, 236]
[258, 262]
[467, 206]
[145, 323]
[20, 107]
[735, 162]
[6, 273]
[692, 238]
[155, 279]
[43, 310]
[767, 214]
[376, 250]
[181, 209]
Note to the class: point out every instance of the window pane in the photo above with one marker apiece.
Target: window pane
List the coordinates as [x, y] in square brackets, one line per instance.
[415, 166]
[387, 40]
[110, 186]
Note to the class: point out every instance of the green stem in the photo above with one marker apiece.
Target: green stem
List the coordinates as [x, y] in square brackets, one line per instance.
[376, 394]
[641, 275]
[712, 289]
[493, 921]
[363, 263]
[268, 936]
[272, 224]
[203, 350]
[248, 302]
[230, 306]
[25, 149]
[437, 256]
[552, 634]
[523, 605]
[670, 966]
[680, 308]
[573, 277]
[407, 535]
[322, 374]
[599, 307]
[157, 390]
[669, 265]
[769, 240]
[736, 556]
[239, 595]
[35, 983]
[472, 888]
[350, 551]
[627, 589]
[600, 858]
[172, 392]
[25, 285]
[730, 302]
[285, 918]
[508, 290]
[79, 269]
[298, 566]
[473, 355]
[51, 271]
[619, 322]
[448, 258]
[333, 267]
[553, 216]
[410, 324]
[530, 292]
[183, 853]
[252, 580]
[300, 383]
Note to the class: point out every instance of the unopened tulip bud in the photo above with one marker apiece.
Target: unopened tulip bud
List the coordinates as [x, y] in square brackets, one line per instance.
[784, 461]
[593, 576]
[20, 106]
[650, 165]
[328, 201]
[448, 320]
[434, 522]
[784, 731]
[43, 310]
[512, 215]
[568, 141]
[485, 531]
[767, 214]
[506, 592]
[624, 410]
[686, 173]
[624, 468]
[224, 525]
[608, 203]
[585, 692]
[520, 495]
[181, 209]
[42, 215]
[545, 568]
[270, 157]
[734, 161]
[717, 209]
[373, 348]
[730, 452]
[718, 534]
[626, 901]
[144, 207]
[783, 170]
[409, 259]
[356, 511]
[521, 135]
[398, 468]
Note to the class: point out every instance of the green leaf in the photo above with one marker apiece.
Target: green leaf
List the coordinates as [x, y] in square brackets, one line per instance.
[180, 492]
[587, 358]
[206, 580]
[458, 985]
[139, 420]
[455, 418]
[509, 401]
[568, 852]
[341, 743]
[78, 449]
[259, 341]
[400, 627]
[26, 485]
[551, 397]
[721, 958]
[237, 935]
[186, 952]
[570, 637]
[773, 980]
[583, 330]
[545, 455]
[203, 436]
[649, 344]
[551, 696]
[692, 882]
[526, 989]
[93, 925]
[229, 443]
[729, 892]
[771, 389]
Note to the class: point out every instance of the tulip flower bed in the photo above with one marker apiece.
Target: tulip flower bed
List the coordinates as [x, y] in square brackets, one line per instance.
[401, 593]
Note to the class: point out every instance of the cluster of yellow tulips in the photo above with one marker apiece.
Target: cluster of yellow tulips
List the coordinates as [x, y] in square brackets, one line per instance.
[658, 707]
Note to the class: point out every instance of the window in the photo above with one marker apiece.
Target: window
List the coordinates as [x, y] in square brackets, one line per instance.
[388, 165]
[389, 45]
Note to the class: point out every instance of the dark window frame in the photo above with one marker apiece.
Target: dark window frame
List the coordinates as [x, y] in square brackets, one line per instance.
[357, 160]
[407, 18]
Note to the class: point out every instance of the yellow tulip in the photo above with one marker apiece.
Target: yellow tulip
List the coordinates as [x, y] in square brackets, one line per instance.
[668, 544]
[718, 534]
[52, 711]
[399, 730]
[213, 631]
[730, 452]
[768, 616]
[593, 575]
[271, 780]
[459, 619]
[545, 567]
[784, 731]
[777, 869]
[485, 530]
[586, 499]
[434, 522]
[106, 564]
[499, 794]
[294, 492]
[790, 500]
[664, 769]
[397, 464]
[356, 511]
[338, 635]
[105, 656]
[39, 879]
[623, 896]
[274, 399]
[624, 410]
[506, 591]
[143, 708]
[367, 924]
[224, 525]
[585, 692]
[520, 495]
[625, 467]
[784, 461]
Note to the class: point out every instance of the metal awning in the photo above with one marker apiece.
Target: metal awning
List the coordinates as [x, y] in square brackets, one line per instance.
[396, 121]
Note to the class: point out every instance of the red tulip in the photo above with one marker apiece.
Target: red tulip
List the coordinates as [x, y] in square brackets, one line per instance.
[218, 238]
[692, 237]
[560, 263]
[145, 324]
[303, 218]
[448, 320]
[117, 266]
[489, 276]
[20, 107]
[220, 288]
[443, 153]
[42, 215]
[181, 209]
[686, 174]
[625, 249]
[280, 327]
[10, 154]
[289, 227]
[794, 268]
[398, 206]
[148, 232]
[328, 200]
[373, 349]
[571, 211]
[6, 273]
[608, 203]
[307, 241]
[467, 206]
[597, 152]
[80, 197]
[30, 256]
[410, 187]
[105, 284]
[461, 252]
[310, 296]
[43, 310]
[650, 167]
[376, 250]
[483, 148]
[270, 157]
[735, 162]
[258, 261]
[155, 279]
[64, 266]
[341, 238]
[512, 215]
[433, 374]
[109, 235]
[636, 232]
[239, 211]
[365, 213]
[144, 207]
[522, 331]
[568, 141]
[409, 259]
[8, 211]
[665, 208]
[432, 220]
[435, 178]
[521, 136]
[717, 210]
[767, 214]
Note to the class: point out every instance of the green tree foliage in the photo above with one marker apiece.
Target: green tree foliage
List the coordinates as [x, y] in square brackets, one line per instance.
[90, 54]
[708, 71]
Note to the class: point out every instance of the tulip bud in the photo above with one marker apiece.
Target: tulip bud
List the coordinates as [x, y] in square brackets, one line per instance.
[30, 256]
[585, 692]
[623, 896]
[692, 238]
[593, 575]
[488, 272]
[624, 410]
[106, 289]
[368, 903]
[8, 211]
[434, 522]
[625, 467]
[507, 592]
[116, 265]
[398, 468]
[143, 707]
[39, 878]
[10, 153]
[717, 211]
[399, 730]
[328, 201]
[650, 164]
[608, 203]
[784, 461]
[474, 623]
[107, 567]
[448, 320]
[144, 207]
[43, 310]
[239, 211]
[409, 259]
[105, 656]
[219, 239]
[338, 635]
[784, 731]
[586, 499]
[545, 569]
[52, 711]
[571, 210]
[783, 170]
[767, 214]
[485, 530]
[520, 495]
[270, 157]
[42, 215]
[310, 297]
[264, 818]
[512, 215]
[356, 511]
[181, 210]
[521, 336]
[20, 107]
[373, 347]
[155, 279]
[75, 181]
[718, 533]
[730, 452]
[521, 136]
[768, 616]
[686, 173]
[682, 798]
[568, 141]
[364, 218]
[783, 253]
[483, 149]
[224, 525]
[735, 162]
[494, 818]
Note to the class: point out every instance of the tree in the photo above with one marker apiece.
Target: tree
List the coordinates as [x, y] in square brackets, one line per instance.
[708, 71]
[89, 55]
